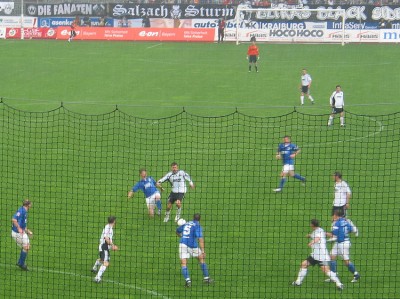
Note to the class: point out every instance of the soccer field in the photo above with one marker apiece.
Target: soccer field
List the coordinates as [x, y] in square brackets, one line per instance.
[77, 163]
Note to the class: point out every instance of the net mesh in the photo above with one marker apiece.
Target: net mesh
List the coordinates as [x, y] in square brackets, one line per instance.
[77, 170]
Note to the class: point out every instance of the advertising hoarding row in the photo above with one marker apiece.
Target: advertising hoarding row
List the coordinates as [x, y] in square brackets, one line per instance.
[306, 35]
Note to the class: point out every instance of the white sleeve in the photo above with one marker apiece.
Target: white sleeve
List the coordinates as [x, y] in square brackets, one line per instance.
[164, 178]
[187, 177]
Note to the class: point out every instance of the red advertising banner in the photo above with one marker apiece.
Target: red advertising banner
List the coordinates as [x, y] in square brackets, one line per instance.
[31, 33]
[140, 34]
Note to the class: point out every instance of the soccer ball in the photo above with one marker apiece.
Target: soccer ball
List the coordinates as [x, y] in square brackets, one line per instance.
[181, 222]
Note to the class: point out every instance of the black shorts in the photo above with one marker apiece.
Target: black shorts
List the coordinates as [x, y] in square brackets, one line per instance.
[304, 89]
[252, 59]
[104, 253]
[175, 196]
[337, 110]
[314, 262]
[341, 209]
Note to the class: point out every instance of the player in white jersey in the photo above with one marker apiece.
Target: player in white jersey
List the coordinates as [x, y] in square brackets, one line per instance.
[177, 179]
[305, 86]
[319, 256]
[337, 103]
[341, 201]
[106, 243]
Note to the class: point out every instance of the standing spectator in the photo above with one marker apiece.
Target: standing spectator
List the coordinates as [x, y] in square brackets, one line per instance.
[102, 21]
[253, 54]
[151, 193]
[319, 256]
[20, 232]
[305, 87]
[146, 21]
[340, 231]
[221, 30]
[190, 233]
[287, 151]
[337, 103]
[177, 180]
[106, 243]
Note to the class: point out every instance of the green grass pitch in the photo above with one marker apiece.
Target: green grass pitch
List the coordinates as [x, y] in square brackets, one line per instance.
[77, 169]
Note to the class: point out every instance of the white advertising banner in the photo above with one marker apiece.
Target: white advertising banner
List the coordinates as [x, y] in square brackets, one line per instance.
[2, 32]
[16, 22]
[314, 33]
[389, 36]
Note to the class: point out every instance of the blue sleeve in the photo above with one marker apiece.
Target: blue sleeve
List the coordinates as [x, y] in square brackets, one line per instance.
[349, 227]
[335, 229]
[179, 230]
[199, 232]
[137, 187]
[152, 180]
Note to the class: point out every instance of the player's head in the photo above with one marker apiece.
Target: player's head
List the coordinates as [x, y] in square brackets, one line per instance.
[304, 71]
[286, 139]
[143, 173]
[337, 175]
[174, 167]
[27, 203]
[111, 219]
[314, 223]
[253, 39]
[338, 214]
[338, 88]
[196, 217]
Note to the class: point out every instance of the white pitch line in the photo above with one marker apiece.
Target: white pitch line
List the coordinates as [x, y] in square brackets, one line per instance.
[130, 286]
[156, 45]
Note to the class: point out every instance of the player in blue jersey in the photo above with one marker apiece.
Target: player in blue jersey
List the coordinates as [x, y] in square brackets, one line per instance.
[340, 233]
[151, 193]
[191, 244]
[287, 151]
[20, 232]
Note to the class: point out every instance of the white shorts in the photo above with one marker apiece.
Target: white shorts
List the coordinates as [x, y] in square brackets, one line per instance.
[342, 250]
[151, 200]
[21, 239]
[287, 167]
[187, 252]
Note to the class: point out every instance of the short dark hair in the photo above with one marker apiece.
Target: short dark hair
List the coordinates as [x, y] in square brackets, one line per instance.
[338, 86]
[338, 174]
[142, 169]
[196, 217]
[111, 219]
[26, 203]
[253, 39]
[315, 222]
[174, 163]
[339, 213]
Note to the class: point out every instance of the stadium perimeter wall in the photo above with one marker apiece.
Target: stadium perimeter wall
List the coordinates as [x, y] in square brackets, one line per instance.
[197, 22]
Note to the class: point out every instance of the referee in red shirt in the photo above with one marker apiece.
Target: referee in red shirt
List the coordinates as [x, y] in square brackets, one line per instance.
[253, 54]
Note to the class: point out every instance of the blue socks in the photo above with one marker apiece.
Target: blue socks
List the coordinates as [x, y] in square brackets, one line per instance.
[299, 177]
[158, 204]
[333, 266]
[282, 183]
[204, 269]
[22, 258]
[185, 273]
[351, 268]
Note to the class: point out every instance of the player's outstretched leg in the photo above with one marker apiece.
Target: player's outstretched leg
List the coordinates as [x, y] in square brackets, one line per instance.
[96, 266]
